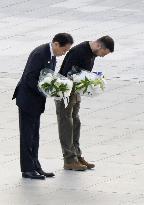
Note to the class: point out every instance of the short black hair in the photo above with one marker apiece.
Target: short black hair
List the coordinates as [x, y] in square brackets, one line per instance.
[108, 42]
[63, 39]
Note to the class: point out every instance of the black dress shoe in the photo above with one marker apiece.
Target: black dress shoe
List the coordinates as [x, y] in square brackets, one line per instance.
[41, 172]
[32, 175]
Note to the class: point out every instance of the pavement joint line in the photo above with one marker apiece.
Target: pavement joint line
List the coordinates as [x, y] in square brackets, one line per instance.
[102, 141]
[14, 4]
[107, 180]
[126, 201]
[10, 161]
[25, 33]
[93, 197]
[129, 35]
[45, 27]
[31, 10]
[114, 105]
[128, 133]
[30, 21]
[122, 119]
[99, 143]
[87, 130]
[8, 37]
[132, 200]
[10, 187]
[21, 184]
[114, 178]
[109, 123]
[119, 153]
[9, 138]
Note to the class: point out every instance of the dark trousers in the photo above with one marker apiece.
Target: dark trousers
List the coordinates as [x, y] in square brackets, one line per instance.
[29, 141]
[69, 128]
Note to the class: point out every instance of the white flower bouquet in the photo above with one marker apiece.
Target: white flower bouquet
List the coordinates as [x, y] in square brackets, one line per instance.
[54, 85]
[88, 83]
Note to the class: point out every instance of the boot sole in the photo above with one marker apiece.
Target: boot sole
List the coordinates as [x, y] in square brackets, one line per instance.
[75, 169]
[28, 177]
[90, 167]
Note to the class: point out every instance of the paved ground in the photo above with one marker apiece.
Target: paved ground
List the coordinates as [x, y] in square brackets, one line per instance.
[112, 124]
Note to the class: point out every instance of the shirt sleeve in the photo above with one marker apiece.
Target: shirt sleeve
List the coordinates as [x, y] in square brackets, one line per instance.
[69, 61]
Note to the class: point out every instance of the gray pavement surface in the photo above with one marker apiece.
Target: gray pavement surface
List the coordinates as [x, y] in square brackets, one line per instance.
[112, 123]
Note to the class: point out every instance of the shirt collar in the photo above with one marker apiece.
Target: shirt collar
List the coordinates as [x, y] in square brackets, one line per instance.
[51, 50]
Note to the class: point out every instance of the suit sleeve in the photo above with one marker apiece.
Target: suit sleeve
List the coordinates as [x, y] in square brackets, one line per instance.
[33, 68]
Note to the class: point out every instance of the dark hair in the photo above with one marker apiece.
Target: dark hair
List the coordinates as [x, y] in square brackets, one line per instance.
[108, 42]
[63, 39]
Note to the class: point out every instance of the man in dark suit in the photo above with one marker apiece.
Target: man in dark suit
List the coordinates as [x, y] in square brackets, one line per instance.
[81, 56]
[31, 102]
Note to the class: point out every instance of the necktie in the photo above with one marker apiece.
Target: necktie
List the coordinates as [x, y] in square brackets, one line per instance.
[53, 62]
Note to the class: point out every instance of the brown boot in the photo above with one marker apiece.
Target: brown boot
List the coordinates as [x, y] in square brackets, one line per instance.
[76, 166]
[83, 162]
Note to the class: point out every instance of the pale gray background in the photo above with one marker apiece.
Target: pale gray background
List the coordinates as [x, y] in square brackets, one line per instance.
[112, 124]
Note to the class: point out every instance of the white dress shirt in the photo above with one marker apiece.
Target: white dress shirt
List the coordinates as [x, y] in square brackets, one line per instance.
[51, 50]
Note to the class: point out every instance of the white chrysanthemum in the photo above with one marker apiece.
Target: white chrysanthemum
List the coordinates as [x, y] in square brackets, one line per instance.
[69, 84]
[49, 75]
[67, 93]
[78, 78]
[47, 79]
[92, 77]
[41, 83]
[58, 80]
[104, 81]
[60, 94]
[92, 86]
[89, 89]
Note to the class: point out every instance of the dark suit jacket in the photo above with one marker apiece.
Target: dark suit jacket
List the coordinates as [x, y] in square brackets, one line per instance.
[27, 95]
